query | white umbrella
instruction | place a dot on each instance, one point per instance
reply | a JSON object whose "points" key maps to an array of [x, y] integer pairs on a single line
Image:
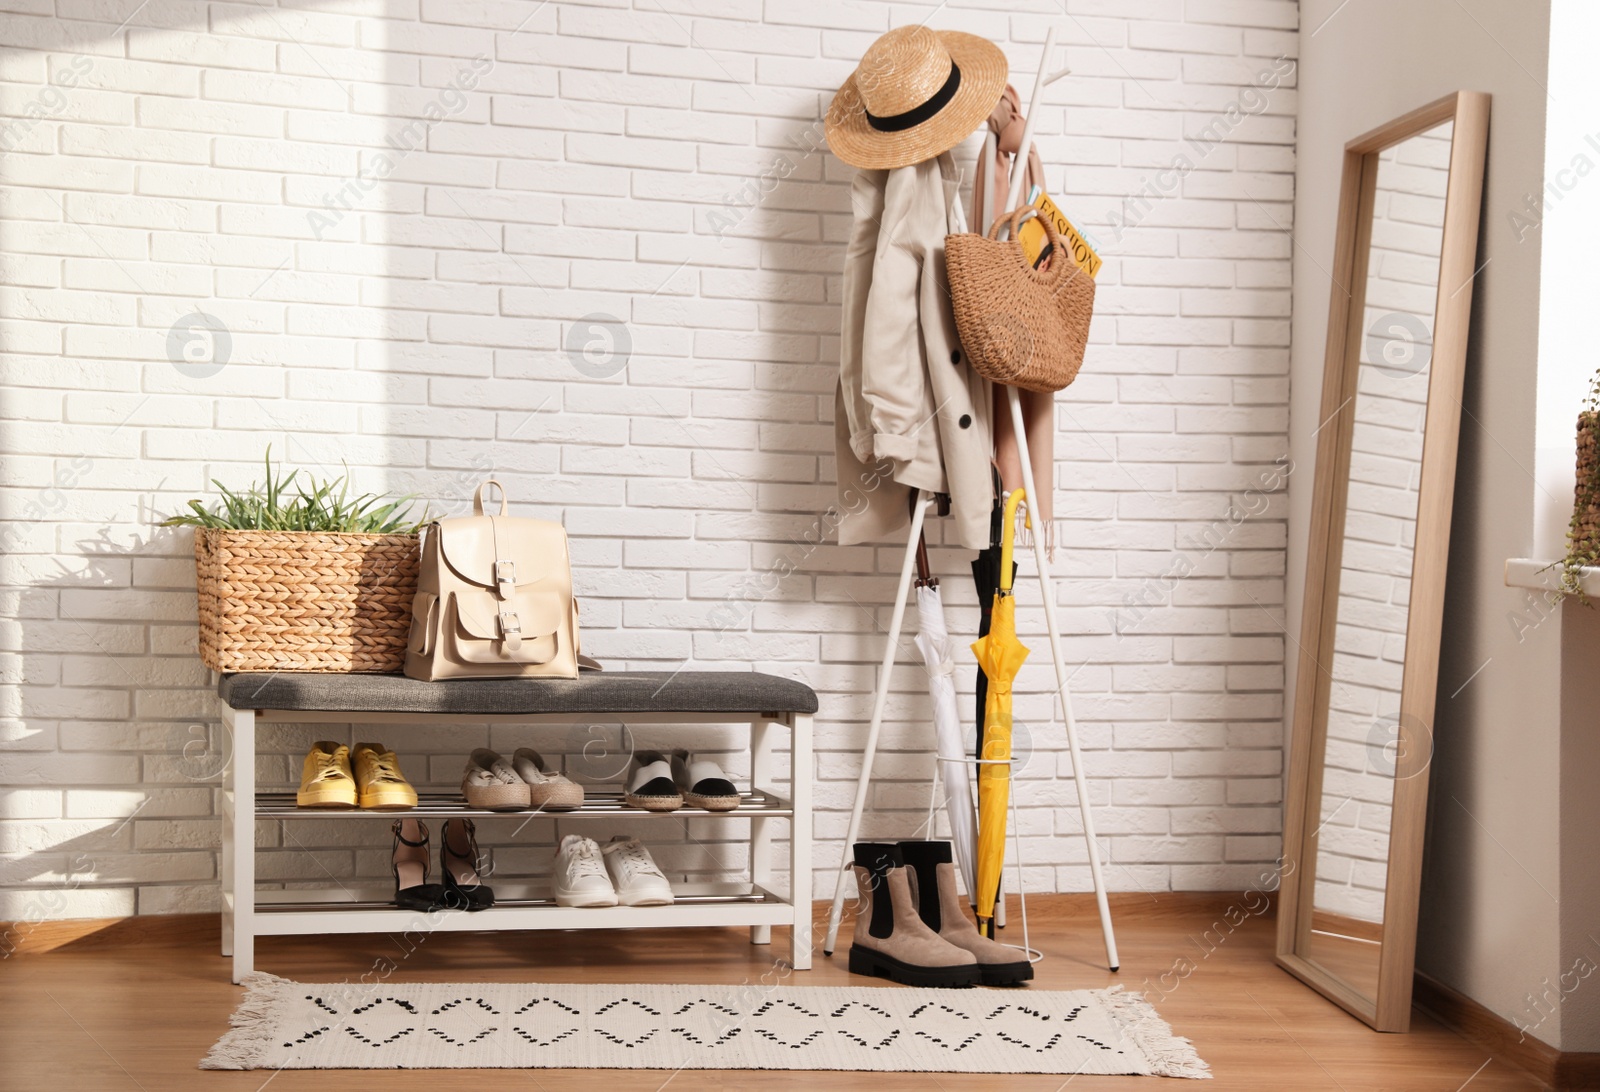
{"points": [[938, 650]]}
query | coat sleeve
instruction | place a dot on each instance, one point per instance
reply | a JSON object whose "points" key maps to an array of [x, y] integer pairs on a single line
{"points": [[866, 203], [894, 381]]}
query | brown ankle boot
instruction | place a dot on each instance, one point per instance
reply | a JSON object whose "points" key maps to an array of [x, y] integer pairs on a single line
{"points": [[891, 940], [933, 884]]}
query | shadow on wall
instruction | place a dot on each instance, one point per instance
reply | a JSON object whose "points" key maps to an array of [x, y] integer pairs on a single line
{"points": [[110, 772], [1447, 861], [349, 265]]}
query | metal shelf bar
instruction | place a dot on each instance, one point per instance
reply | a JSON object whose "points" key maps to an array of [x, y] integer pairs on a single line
{"points": [[449, 805]]}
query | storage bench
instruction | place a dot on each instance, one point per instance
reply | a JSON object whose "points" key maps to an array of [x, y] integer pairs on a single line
{"points": [[637, 698]]}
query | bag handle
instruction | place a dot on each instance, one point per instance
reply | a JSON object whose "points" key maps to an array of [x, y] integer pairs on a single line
{"points": [[1050, 278], [477, 498]]}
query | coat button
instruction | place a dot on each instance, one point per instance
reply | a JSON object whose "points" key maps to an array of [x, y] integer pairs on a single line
{"points": [[966, 420], [955, 356]]}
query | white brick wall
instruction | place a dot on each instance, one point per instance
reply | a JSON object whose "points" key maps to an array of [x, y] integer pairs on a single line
{"points": [[399, 294]]}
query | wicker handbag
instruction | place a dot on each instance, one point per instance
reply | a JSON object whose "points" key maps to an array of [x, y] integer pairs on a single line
{"points": [[1019, 326]]}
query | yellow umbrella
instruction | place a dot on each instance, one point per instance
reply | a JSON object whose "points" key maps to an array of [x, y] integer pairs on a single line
{"points": [[1000, 655]]}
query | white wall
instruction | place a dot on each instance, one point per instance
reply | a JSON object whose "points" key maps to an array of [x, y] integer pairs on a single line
{"points": [[400, 294], [1564, 215], [1567, 365], [1494, 827]]}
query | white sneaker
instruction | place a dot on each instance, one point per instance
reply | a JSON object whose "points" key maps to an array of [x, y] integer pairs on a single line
{"points": [[581, 878], [634, 873]]}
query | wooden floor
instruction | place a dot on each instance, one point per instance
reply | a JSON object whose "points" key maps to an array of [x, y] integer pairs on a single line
{"points": [[135, 1007]]}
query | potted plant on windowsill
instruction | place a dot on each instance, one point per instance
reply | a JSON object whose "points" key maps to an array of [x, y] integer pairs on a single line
{"points": [[297, 575], [1583, 532]]}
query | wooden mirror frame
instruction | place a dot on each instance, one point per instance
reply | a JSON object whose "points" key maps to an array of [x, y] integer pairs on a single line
{"points": [[1390, 1010]]}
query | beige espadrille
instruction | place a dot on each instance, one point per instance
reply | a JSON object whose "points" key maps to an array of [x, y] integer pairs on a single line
{"points": [[490, 783]]}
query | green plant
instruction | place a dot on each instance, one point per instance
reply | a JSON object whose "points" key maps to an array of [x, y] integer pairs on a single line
{"points": [[1583, 540], [326, 507]]}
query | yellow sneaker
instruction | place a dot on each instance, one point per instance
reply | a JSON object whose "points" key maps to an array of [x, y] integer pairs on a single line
{"points": [[325, 779], [382, 786]]}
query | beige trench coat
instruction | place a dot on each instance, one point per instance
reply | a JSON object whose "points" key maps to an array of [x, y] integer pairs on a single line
{"points": [[910, 413]]}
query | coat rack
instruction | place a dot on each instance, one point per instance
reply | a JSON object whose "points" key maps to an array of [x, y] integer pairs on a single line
{"points": [[1046, 587]]}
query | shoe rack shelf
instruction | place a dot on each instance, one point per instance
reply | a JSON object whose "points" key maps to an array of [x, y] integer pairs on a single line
{"points": [[757, 902], [601, 804], [525, 905]]}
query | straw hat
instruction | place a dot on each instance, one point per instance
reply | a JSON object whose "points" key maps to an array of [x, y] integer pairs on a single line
{"points": [[916, 93]]}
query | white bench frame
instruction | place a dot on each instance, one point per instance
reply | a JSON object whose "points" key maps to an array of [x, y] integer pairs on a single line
{"points": [[246, 915]]}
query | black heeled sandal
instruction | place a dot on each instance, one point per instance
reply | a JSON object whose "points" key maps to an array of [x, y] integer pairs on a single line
{"points": [[464, 889], [409, 863]]}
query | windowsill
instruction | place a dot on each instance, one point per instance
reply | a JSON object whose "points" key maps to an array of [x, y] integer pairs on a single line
{"points": [[1525, 572]]}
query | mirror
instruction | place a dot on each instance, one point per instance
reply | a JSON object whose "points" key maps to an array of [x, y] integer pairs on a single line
{"points": [[1376, 551], [1386, 450]]}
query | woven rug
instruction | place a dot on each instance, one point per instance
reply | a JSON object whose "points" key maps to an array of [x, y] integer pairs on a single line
{"points": [[294, 1025]]}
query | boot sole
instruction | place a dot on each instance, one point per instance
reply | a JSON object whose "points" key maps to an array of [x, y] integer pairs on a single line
{"points": [[865, 961], [1005, 974]]}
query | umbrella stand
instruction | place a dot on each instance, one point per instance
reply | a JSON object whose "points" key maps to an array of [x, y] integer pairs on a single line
{"points": [[1034, 955], [961, 762]]}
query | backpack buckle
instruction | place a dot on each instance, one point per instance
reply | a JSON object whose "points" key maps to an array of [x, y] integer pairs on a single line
{"points": [[510, 630]]}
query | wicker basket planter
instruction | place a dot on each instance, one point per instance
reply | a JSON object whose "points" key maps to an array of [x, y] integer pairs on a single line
{"points": [[1585, 532], [304, 600]]}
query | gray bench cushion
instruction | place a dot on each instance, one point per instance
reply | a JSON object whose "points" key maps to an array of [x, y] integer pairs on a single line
{"points": [[593, 692]]}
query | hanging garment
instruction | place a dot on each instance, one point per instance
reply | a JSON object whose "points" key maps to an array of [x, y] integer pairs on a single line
{"points": [[1006, 122], [1039, 423], [909, 412], [990, 187]]}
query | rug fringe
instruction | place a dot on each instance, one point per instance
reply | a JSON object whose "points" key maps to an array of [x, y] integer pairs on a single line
{"points": [[1172, 1055], [248, 1039]]}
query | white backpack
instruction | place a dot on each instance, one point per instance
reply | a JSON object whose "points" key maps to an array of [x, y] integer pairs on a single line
{"points": [[494, 599]]}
